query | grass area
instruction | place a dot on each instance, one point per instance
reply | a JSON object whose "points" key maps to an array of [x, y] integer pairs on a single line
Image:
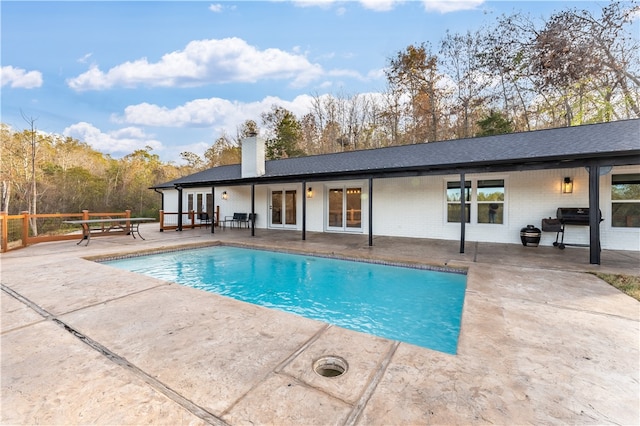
{"points": [[628, 284]]}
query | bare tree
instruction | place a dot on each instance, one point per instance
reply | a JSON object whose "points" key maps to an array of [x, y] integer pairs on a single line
{"points": [[5, 168], [589, 64], [33, 198], [462, 59], [414, 77], [504, 57]]}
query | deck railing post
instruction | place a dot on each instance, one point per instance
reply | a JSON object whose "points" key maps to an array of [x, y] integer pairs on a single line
{"points": [[5, 232], [127, 215], [85, 214], [25, 228], [161, 220]]}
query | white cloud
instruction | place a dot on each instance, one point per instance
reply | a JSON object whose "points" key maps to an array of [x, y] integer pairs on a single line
{"points": [[445, 6], [122, 141], [311, 3], [219, 114], [203, 62], [19, 78], [216, 8], [84, 59], [379, 5]]}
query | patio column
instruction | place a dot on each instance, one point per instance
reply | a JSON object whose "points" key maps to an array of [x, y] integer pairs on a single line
{"points": [[370, 211], [463, 215], [304, 210], [594, 213], [253, 209], [213, 208], [179, 188]]}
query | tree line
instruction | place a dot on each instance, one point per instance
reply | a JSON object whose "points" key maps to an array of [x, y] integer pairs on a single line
{"points": [[519, 74]]}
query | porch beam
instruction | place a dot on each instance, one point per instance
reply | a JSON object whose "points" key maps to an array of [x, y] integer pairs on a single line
{"points": [[370, 211], [304, 210], [179, 188], [213, 207], [594, 213], [463, 216], [253, 210]]}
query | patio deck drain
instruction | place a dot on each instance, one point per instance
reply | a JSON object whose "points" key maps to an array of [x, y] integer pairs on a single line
{"points": [[330, 366]]}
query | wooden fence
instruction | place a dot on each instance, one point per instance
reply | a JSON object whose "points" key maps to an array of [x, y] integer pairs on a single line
{"points": [[16, 231], [190, 219]]}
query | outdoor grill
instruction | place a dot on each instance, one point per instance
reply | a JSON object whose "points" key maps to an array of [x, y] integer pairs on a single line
{"points": [[575, 216]]}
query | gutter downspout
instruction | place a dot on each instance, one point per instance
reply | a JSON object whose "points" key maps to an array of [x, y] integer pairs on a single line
{"points": [[161, 205]]}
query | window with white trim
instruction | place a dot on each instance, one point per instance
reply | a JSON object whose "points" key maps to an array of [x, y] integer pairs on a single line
{"points": [[484, 201], [454, 202], [490, 201], [625, 200]]}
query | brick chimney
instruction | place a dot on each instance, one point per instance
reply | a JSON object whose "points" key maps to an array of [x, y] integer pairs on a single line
{"points": [[253, 156]]}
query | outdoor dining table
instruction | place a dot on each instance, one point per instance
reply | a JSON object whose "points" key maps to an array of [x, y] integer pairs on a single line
{"points": [[130, 225]]}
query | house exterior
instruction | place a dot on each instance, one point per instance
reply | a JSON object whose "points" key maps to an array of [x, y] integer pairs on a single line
{"points": [[510, 181]]}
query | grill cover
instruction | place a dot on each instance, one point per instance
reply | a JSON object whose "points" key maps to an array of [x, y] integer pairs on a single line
{"points": [[575, 215]]}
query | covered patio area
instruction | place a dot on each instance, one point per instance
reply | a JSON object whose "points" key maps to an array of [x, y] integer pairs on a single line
{"points": [[542, 341]]}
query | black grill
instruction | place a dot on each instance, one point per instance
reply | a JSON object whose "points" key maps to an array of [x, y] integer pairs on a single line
{"points": [[576, 216]]}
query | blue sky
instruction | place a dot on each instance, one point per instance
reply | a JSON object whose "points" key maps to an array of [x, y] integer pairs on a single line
{"points": [[175, 75]]}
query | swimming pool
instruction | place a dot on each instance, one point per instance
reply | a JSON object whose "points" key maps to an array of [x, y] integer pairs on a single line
{"points": [[417, 306]]}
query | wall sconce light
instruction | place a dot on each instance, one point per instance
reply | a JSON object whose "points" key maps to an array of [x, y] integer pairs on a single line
{"points": [[224, 195], [567, 186], [309, 192]]}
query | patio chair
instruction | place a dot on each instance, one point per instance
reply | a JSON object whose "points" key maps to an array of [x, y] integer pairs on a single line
{"points": [[247, 219], [236, 219], [240, 219], [203, 217]]}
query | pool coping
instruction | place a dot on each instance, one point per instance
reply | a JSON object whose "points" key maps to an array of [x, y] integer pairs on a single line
{"points": [[422, 266]]}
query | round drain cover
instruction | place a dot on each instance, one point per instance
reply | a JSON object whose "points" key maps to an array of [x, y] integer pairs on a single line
{"points": [[330, 366]]}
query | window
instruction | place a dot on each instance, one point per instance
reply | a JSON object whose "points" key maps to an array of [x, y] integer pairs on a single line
{"points": [[453, 201], [345, 208], [490, 198], [484, 197], [625, 200]]}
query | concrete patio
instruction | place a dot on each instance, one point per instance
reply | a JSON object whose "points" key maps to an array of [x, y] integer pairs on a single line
{"points": [[542, 342]]}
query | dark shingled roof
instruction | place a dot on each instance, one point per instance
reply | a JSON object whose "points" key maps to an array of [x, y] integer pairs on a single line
{"points": [[618, 142]]}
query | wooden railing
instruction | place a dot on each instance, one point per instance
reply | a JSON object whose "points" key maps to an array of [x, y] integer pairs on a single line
{"points": [[16, 229], [169, 220]]}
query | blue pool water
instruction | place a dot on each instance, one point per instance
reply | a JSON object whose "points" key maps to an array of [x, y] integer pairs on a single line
{"points": [[416, 306]]}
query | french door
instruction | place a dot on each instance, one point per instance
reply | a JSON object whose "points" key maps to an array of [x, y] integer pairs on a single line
{"points": [[200, 202], [345, 209], [283, 208]]}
